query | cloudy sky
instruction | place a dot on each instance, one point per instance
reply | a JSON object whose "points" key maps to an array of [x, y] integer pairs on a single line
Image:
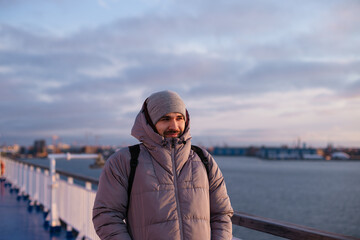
{"points": [[250, 72]]}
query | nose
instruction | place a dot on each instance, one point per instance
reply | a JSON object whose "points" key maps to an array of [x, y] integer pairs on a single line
{"points": [[173, 125]]}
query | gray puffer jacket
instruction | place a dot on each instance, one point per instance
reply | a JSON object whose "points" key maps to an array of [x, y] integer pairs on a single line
{"points": [[172, 196]]}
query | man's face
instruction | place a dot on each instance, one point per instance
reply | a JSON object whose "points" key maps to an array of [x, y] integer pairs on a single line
{"points": [[171, 125]]}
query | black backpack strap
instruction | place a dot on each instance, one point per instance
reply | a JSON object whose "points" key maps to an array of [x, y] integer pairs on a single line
{"points": [[134, 152], [204, 160]]}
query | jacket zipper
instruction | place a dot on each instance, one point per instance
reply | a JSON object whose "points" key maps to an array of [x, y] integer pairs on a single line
{"points": [[176, 188]]}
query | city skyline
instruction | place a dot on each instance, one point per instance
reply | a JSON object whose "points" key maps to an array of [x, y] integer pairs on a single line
{"points": [[250, 72]]}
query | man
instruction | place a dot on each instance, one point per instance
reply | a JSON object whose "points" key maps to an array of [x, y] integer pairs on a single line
{"points": [[172, 197]]}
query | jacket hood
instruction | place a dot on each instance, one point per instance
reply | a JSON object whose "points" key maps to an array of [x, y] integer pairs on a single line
{"points": [[146, 134]]}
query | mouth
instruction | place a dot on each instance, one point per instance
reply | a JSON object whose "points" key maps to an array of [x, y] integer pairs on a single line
{"points": [[172, 134]]}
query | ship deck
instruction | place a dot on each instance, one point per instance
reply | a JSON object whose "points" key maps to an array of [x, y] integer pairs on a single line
{"points": [[17, 222]]}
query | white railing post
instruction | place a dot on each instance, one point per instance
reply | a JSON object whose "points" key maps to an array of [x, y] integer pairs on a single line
{"points": [[16, 170], [37, 189], [9, 172], [27, 180], [22, 183], [54, 216], [31, 187], [45, 195], [69, 228], [88, 209], [85, 228]]}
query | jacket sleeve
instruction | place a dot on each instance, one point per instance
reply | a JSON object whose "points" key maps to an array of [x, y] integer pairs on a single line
{"points": [[220, 206], [110, 204]]}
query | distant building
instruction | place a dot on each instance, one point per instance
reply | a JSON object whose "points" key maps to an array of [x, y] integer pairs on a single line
{"points": [[90, 149], [229, 151], [39, 149], [288, 153]]}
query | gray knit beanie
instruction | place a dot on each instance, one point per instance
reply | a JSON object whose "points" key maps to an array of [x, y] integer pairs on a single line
{"points": [[164, 102]]}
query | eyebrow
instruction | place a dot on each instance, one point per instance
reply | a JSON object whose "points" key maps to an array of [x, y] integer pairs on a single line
{"points": [[176, 116]]}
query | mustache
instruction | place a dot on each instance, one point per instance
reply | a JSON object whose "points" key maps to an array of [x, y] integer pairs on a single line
{"points": [[172, 132]]}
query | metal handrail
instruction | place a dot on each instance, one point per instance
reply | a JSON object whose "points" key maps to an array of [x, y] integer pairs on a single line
{"points": [[284, 229]]}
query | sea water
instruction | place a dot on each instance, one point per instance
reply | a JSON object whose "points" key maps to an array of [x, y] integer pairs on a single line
{"points": [[320, 194]]}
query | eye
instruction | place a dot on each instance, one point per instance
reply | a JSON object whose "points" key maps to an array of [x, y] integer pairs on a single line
{"points": [[164, 119]]}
